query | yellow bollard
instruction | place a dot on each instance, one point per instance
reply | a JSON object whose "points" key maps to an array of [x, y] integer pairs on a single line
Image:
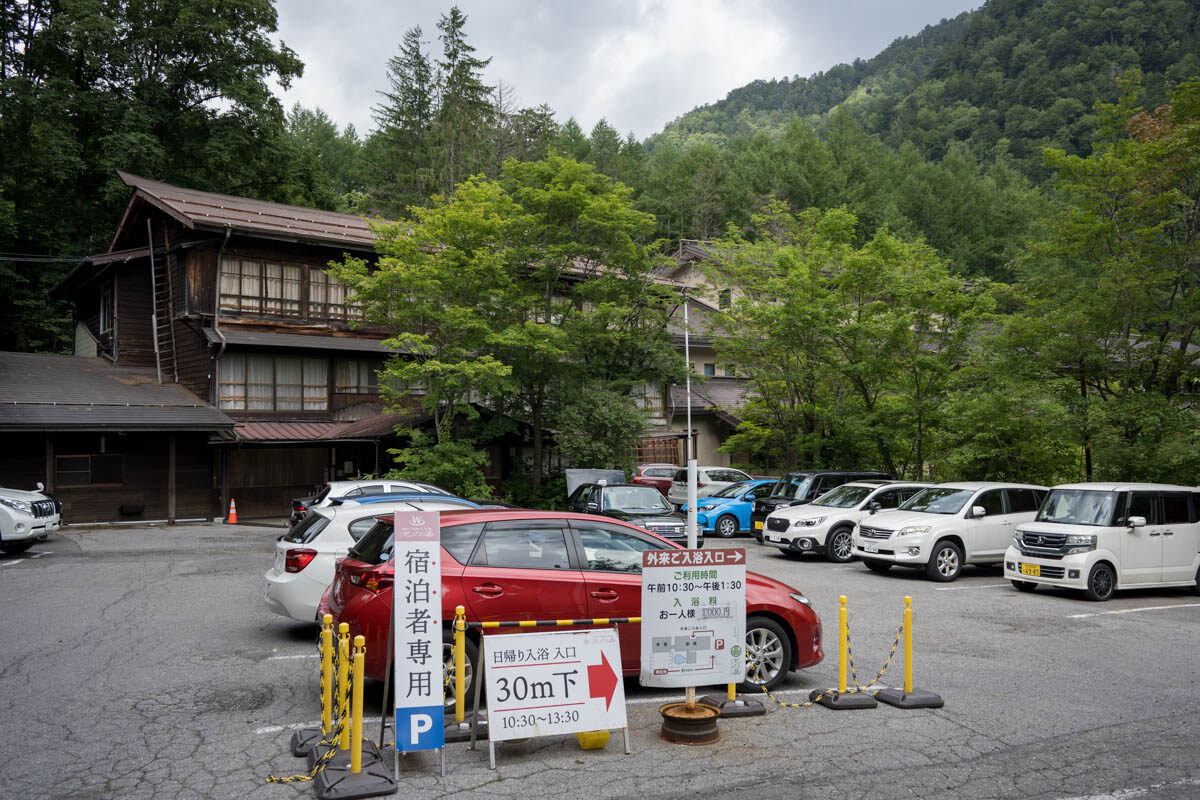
{"points": [[908, 684], [908, 697], [343, 685], [842, 635], [731, 692], [460, 662], [360, 656], [326, 674]]}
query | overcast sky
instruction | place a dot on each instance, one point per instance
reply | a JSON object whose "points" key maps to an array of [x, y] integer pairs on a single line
{"points": [[637, 63]]}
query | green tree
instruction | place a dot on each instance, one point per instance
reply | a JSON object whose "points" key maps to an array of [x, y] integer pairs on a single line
{"points": [[178, 91], [1113, 303], [403, 147], [464, 111]]}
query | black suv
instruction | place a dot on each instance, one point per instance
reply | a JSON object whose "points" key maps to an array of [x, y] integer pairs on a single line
{"points": [[643, 506], [798, 488]]}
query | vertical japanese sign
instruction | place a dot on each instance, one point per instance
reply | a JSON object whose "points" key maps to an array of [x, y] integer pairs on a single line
{"points": [[417, 623], [693, 617]]}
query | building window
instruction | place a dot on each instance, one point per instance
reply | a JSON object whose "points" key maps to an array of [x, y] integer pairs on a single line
{"points": [[274, 383], [357, 376], [89, 470], [710, 369], [106, 309], [260, 286], [328, 298]]}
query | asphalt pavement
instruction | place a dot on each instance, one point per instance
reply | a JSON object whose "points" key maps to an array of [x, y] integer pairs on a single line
{"points": [[143, 663]]}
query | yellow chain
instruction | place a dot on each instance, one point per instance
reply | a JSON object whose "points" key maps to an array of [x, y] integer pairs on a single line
{"points": [[850, 656], [328, 739]]}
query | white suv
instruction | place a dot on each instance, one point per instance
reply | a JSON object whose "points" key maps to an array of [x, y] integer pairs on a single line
{"points": [[26, 517], [708, 481], [826, 525], [946, 526], [1101, 537]]}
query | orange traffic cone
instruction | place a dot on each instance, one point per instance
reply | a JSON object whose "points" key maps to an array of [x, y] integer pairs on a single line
{"points": [[232, 519]]}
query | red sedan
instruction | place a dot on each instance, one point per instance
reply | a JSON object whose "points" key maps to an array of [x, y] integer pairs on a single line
{"points": [[657, 475], [538, 565]]}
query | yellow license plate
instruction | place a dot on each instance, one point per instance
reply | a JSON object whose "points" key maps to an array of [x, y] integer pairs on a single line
{"points": [[757, 525], [1031, 569]]}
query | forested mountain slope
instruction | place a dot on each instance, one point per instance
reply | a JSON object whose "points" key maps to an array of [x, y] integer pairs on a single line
{"points": [[1013, 77]]}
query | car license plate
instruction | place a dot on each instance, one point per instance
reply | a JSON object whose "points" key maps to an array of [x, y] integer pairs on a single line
{"points": [[1033, 570], [871, 548], [758, 525]]}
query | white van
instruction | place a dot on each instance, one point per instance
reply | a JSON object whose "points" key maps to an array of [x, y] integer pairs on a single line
{"points": [[1100, 537], [946, 526]]}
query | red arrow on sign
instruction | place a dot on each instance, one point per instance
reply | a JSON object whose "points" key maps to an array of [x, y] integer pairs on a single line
{"points": [[602, 680]]}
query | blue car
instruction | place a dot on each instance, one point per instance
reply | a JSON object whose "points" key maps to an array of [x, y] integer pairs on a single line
{"points": [[727, 512]]}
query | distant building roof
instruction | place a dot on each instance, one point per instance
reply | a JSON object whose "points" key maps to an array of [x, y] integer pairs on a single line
{"points": [[722, 396], [379, 426], [48, 392], [211, 211]]}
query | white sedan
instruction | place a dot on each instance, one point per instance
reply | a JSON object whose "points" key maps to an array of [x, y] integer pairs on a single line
{"points": [[306, 555]]}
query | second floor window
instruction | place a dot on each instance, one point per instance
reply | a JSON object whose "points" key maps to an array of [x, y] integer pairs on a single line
{"points": [[357, 376], [260, 287], [274, 383], [330, 299]]}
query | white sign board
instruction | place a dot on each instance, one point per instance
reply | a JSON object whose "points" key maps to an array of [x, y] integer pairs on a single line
{"points": [[417, 622], [693, 617], [543, 684]]}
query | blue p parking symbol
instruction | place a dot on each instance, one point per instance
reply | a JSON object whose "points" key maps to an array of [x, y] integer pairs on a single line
{"points": [[420, 728]]}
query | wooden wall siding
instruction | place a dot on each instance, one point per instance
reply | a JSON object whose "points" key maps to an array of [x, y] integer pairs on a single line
{"points": [[24, 461], [192, 355], [263, 481], [134, 309], [201, 268], [144, 474]]}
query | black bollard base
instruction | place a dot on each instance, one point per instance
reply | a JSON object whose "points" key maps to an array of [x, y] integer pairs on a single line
{"points": [[733, 709], [917, 698], [337, 782], [831, 698], [461, 731], [304, 739]]}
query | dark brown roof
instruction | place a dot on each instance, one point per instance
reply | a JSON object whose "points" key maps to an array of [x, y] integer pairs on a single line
{"points": [[727, 395], [379, 426], [196, 209], [45, 392], [302, 341], [288, 431]]}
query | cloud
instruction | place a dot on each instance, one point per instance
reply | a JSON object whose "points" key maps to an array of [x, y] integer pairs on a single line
{"points": [[637, 63]]}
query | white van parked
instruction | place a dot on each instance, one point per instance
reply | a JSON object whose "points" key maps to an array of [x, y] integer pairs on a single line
{"points": [[946, 526], [1101, 537]]}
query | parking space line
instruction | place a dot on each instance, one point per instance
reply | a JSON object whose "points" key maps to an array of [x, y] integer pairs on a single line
{"points": [[288, 658], [1131, 610], [1139, 791], [28, 556], [982, 586]]}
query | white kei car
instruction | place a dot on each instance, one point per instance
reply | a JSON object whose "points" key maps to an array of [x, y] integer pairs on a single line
{"points": [[306, 555], [826, 525]]}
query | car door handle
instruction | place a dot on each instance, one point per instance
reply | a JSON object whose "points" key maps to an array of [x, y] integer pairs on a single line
{"points": [[1157, 533], [604, 594], [488, 590], [1168, 533]]}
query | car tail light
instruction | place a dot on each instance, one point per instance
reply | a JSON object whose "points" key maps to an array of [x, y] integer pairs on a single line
{"points": [[376, 583], [301, 507], [296, 560], [700, 484]]}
